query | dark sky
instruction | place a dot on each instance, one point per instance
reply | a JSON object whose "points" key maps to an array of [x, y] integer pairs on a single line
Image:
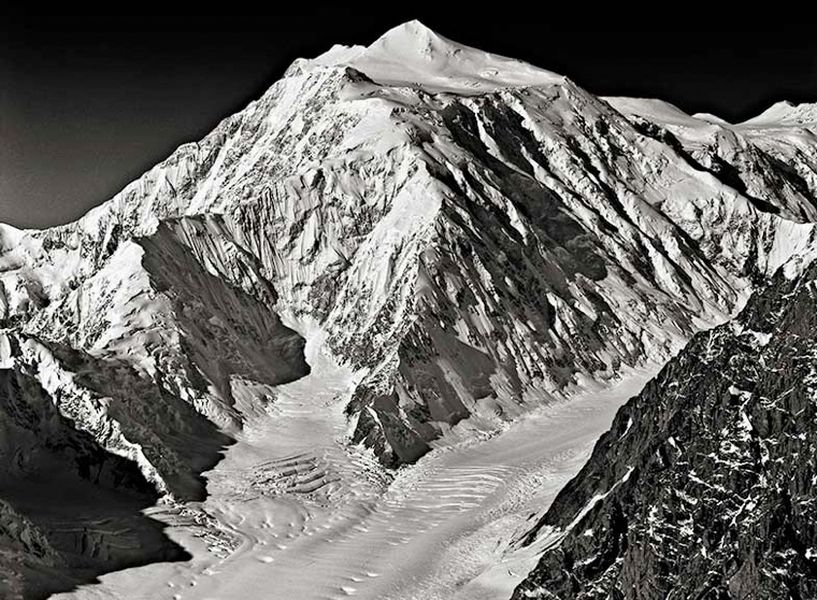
{"points": [[89, 103]]}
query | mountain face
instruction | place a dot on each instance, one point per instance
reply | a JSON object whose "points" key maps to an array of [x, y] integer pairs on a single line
{"points": [[703, 487], [472, 235], [69, 508]]}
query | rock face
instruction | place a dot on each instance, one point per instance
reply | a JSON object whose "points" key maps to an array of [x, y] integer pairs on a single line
{"points": [[473, 234], [69, 508], [703, 487]]}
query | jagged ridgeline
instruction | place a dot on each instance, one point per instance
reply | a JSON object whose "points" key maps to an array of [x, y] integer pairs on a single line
{"points": [[704, 485], [473, 235]]}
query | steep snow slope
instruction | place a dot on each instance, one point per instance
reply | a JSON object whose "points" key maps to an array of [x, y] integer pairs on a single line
{"points": [[470, 234], [703, 487], [775, 152]]}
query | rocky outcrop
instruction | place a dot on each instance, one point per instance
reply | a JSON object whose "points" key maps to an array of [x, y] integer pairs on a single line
{"points": [[70, 510], [703, 487]]}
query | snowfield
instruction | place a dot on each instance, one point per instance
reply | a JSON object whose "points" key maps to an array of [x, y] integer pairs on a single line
{"points": [[295, 512]]}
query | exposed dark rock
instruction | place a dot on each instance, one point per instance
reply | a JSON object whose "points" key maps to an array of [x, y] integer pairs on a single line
{"points": [[704, 485], [69, 510]]}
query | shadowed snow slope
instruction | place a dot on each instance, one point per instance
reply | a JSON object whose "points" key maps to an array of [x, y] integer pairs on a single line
{"points": [[469, 236]]}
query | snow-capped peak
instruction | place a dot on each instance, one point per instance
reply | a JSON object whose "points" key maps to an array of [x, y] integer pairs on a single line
{"points": [[785, 114], [413, 54]]}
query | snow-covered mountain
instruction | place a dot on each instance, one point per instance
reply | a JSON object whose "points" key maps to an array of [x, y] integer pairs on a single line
{"points": [[471, 235]]}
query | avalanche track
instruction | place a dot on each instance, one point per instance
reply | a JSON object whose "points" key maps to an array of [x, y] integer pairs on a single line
{"points": [[294, 512]]}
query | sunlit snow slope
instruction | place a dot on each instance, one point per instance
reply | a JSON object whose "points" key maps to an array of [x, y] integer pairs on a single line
{"points": [[468, 236]]}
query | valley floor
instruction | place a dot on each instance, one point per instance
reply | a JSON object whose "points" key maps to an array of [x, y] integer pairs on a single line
{"points": [[295, 513]]}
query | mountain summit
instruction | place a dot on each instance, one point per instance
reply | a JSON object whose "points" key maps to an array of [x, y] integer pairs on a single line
{"points": [[414, 54], [785, 113], [437, 238]]}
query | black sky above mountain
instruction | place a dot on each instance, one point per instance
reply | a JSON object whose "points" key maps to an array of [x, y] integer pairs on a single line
{"points": [[89, 103]]}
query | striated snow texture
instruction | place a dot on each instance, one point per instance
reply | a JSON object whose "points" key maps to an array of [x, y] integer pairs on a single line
{"points": [[469, 235]]}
